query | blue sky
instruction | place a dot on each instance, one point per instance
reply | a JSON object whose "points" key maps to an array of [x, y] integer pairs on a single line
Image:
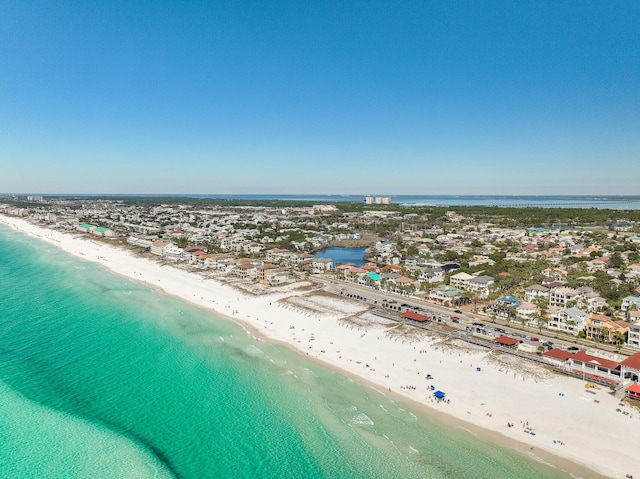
{"points": [[372, 97]]}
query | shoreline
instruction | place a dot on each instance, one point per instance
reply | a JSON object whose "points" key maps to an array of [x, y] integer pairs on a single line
{"points": [[341, 335]]}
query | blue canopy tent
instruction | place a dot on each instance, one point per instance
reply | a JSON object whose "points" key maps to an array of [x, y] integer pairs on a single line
{"points": [[439, 394]]}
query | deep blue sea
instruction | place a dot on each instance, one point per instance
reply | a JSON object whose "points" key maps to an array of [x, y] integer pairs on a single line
{"points": [[103, 377]]}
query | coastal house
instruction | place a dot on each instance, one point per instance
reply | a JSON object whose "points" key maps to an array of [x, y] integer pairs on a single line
{"points": [[460, 280], [431, 275], [321, 265], [265, 271], [172, 251], [532, 292], [527, 313], [633, 337], [279, 277], [404, 284], [568, 320], [630, 303], [251, 247], [622, 226], [603, 329], [143, 243], [301, 258], [480, 284], [218, 261], [246, 271], [444, 294], [562, 295], [594, 302], [158, 247]]}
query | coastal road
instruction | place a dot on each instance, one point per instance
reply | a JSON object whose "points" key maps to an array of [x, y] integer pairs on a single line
{"points": [[468, 321]]}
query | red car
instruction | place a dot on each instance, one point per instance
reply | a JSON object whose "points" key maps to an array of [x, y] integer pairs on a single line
{"points": [[535, 339]]}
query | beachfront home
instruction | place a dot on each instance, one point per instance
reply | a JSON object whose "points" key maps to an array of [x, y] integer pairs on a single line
{"points": [[444, 294], [265, 271], [568, 320], [280, 277], [633, 337], [403, 284], [172, 251], [158, 247], [603, 329], [246, 271], [527, 313], [218, 261], [143, 243]]}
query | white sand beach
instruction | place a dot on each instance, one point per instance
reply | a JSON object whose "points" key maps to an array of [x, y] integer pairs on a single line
{"points": [[549, 413]]}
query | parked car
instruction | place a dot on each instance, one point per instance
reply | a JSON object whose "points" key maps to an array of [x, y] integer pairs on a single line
{"points": [[455, 319], [535, 339]]}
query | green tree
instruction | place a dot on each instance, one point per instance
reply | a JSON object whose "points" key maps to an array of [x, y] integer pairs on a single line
{"points": [[182, 241], [616, 261]]}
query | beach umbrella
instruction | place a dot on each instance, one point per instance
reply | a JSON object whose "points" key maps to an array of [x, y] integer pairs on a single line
{"points": [[439, 394]]}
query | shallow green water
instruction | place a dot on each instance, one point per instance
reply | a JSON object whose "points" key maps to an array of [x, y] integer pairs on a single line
{"points": [[104, 377]]}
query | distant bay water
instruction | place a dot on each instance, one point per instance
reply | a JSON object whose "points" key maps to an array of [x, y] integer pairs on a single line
{"points": [[102, 377], [596, 201]]}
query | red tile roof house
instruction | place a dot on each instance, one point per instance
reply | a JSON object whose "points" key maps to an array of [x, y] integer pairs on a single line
{"points": [[246, 271]]}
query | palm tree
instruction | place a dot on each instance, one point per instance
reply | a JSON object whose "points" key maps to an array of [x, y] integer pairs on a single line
{"points": [[182, 241], [619, 337]]}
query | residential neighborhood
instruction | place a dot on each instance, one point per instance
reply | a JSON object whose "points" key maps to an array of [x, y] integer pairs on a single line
{"points": [[577, 280]]}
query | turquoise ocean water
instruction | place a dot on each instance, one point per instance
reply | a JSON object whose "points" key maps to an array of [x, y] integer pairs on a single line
{"points": [[102, 377]]}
